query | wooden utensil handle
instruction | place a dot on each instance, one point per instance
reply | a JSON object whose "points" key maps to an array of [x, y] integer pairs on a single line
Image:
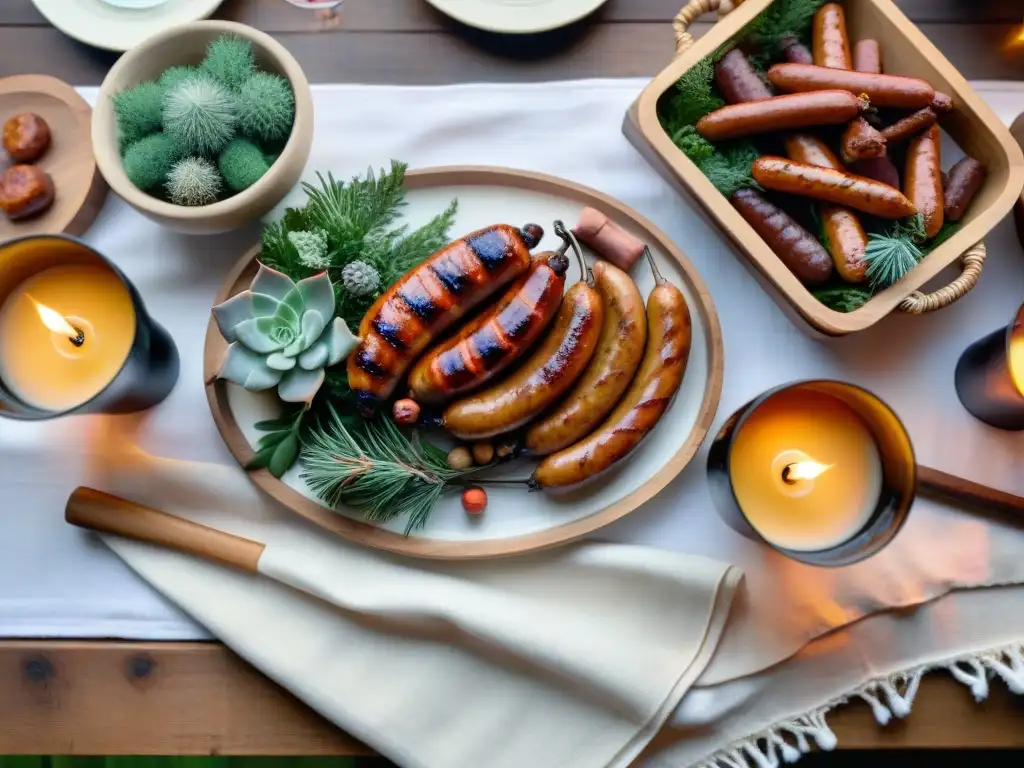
{"points": [[99, 511], [932, 482]]}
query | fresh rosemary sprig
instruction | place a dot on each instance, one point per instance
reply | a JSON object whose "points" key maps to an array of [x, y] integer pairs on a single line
{"points": [[377, 470]]}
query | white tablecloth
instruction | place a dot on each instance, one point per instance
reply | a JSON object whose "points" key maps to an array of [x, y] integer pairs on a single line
{"points": [[56, 581]]}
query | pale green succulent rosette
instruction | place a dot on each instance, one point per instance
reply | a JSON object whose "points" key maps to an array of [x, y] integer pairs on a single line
{"points": [[283, 334]]}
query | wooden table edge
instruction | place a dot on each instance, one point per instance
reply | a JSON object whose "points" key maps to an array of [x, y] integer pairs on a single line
{"points": [[105, 697]]}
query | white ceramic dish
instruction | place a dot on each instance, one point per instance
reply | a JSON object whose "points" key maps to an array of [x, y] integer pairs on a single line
{"points": [[515, 520], [517, 16], [102, 25]]}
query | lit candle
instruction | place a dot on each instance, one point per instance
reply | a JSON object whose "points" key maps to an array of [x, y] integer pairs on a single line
{"points": [[989, 376], [819, 470], [74, 335]]}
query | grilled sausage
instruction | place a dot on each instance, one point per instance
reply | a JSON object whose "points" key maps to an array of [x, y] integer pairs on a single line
{"points": [[495, 339], [619, 351], [922, 182], [860, 141], [810, 150], [778, 113], [737, 79], [867, 56], [428, 300], [911, 125], [831, 43], [796, 52], [879, 169], [544, 377], [964, 180], [797, 248], [857, 192], [655, 385], [942, 102], [881, 90], [847, 240]]}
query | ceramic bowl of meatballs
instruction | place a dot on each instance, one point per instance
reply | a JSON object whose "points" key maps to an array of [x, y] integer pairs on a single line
{"points": [[204, 127], [48, 176], [525, 361], [840, 151]]}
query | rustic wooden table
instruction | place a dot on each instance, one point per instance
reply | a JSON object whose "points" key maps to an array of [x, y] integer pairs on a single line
{"points": [[77, 697]]}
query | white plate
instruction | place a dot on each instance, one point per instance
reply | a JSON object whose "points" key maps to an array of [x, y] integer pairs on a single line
{"points": [[102, 25], [516, 520], [517, 16]]}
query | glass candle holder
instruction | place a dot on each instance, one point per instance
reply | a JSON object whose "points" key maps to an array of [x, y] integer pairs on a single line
{"points": [[990, 376], [821, 471], [75, 336]]}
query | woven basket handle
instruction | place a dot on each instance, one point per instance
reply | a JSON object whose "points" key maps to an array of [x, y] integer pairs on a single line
{"points": [[972, 260]]}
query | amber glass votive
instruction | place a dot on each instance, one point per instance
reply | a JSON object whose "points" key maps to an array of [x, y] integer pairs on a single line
{"points": [[821, 471], [75, 336], [990, 376]]}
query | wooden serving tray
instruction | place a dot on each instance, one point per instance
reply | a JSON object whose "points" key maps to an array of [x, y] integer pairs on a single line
{"points": [[906, 51], [516, 520]]}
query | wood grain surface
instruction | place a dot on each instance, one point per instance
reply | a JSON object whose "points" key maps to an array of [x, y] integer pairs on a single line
{"points": [[75, 697]]}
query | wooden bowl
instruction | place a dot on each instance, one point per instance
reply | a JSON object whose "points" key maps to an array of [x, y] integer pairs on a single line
{"points": [[516, 521], [972, 125], [186, 44], [80, 189]]}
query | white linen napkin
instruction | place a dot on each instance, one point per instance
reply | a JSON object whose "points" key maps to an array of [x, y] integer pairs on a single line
{"points": [[571, 657]]}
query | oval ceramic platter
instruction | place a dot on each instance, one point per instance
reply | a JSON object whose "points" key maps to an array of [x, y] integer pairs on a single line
{"points": [[516, 520], [79, 188]]}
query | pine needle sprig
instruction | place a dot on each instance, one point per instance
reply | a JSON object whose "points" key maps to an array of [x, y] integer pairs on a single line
{"points": [[781, 20], [694, 96], [377, 471], [890, 255]]}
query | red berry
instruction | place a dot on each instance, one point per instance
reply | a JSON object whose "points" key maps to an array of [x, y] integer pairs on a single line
{"points": [[474, 500]]}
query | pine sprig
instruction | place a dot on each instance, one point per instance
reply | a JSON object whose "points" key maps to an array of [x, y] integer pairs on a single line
{"points": [[781, 20], [376, 470], [890, 255]]}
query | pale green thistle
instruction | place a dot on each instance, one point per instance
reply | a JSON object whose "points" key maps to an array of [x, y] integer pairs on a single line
{"points": [[200, 115], [229, 59], [193, 181], [266, 107]]}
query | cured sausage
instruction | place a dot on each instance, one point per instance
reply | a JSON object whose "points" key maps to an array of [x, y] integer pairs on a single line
{"points": [[428, 300], [922, 180], [881, 90], [867, 56], [796, 52], [831, 43], [491, 342], [942, 102], [861, 141], [669, 335], [737, 79], [879, 169], [911, 125], [799, 110], [544, 377], [857, 192], [797, 248], [619, 352], [847, 240], [964, 180], [607, 238]]}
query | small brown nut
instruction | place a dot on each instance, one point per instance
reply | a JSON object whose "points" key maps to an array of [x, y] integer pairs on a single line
{"points": [[460, 458], [25, 191], [405, 412], [26, 137], [505, 450], [483, 453]]}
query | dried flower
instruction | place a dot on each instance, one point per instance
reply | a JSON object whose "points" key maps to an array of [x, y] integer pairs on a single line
{"points": [[312, 248], [360, 278]]}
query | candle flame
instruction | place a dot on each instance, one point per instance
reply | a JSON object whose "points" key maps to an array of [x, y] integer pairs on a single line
{"points": [[805, 470], [54, 320], [1015, 41]]}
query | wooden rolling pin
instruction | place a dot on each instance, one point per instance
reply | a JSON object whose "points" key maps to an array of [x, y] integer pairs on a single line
{"points": [[99, 511]]}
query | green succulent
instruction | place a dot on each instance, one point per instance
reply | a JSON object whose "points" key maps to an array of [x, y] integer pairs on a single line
{"points": [[229, 59], [283, 334], [139, 111], [241, 164], [148, 161], [175, 76], [266, 107], [312, 248], [199, 113], [360, 278], [193, 181]]}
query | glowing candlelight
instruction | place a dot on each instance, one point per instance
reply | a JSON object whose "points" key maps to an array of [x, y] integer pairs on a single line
{"points": [[1015, 41], [803, 470], [57, 323]]}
